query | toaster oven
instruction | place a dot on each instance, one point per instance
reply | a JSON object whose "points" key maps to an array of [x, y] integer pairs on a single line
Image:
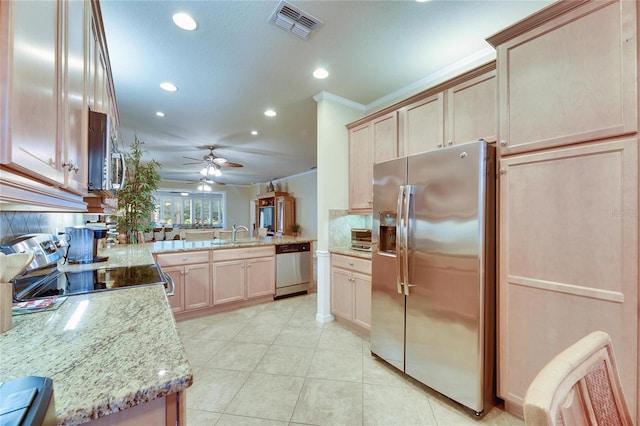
{"points": [[361, 239]]}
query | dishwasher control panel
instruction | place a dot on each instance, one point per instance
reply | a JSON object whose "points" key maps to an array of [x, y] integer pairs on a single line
{"points": [[292, 248]]}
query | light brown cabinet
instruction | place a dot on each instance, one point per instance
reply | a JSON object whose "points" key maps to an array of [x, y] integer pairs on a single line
{"points": [[191, 276], [568, 189], [351, 290], [242, 274], [285, 214], [423, 124], [385, 137], [571, 78], [360, 169]]}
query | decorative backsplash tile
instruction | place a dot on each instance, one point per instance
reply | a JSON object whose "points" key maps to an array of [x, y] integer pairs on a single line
{"points": [[340, 224], [13, 224]]}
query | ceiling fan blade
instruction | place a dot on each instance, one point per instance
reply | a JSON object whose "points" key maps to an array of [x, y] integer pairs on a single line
{"points": [[199, 160], [189, 164], [231, 164]]}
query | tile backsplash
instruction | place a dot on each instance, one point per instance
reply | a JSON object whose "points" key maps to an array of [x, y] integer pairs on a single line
{"points": [[13, 224], [340, 224]]}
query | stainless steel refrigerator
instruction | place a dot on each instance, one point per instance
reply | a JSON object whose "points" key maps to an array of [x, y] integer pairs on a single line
{"points": [[433, 284]]}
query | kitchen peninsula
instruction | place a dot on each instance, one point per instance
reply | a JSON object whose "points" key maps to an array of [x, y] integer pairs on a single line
{"points": [[114, 357]]}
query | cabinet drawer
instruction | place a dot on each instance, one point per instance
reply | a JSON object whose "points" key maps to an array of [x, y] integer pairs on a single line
{"points": [[184, 258], [243, 253], [353, 263]]}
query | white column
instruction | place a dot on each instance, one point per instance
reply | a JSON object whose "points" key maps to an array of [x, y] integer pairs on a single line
{"points": [[324, 286]]}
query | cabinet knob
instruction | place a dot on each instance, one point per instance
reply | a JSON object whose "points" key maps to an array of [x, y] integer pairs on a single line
{"points": [[503, 142], [70, 166], [439, 145], [184, 258], [449, 142], [503, 170], [186, 271]]}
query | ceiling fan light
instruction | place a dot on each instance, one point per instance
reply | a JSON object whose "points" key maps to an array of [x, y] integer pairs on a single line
{"points": [[184, 21], [219, 160]]}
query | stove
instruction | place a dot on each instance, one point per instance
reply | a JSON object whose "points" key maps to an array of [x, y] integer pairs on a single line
{"points": [[49, 281]]}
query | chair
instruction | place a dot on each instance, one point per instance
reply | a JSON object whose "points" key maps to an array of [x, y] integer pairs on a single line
{"points": [[198, 234], [580, 386]]}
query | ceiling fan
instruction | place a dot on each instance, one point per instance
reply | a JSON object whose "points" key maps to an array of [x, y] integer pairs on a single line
{"points": [[213, 161]]}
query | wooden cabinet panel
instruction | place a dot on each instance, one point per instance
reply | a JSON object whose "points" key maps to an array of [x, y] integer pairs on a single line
{"points": [[571, 79], [471, 110], [197, 286], [30, 96], [341, 293], [184, 258], [228, 281], [360, 169], [362, 300], [568, 258], [177, 275], [423, 125], [351, 289], [385, 137], [261, 277], [285, 214]]}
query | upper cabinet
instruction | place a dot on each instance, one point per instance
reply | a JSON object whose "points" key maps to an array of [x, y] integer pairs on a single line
{"points": [[360, 169], [48, 56], [422, 124], [565, 82], [385, 137]]}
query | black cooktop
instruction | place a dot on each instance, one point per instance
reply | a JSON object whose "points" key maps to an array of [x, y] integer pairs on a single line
{"points": [[48, 282]]}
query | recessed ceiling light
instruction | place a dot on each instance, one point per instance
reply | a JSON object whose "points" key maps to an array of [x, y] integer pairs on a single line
{"points": [[184, 21], [169, 87], [270, 113], [321, 73], [254, 132], [184, 194], [160, 114], [422, 1]]}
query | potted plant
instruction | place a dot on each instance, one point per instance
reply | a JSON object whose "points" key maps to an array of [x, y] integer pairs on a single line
{"points": [[295, 229], [136, 203]]}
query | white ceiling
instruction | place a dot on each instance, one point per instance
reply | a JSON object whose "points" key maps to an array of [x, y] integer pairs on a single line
{"points": [[236, 64]]}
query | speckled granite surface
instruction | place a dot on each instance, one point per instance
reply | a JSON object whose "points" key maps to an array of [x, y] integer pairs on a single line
{"points": [[351, 252], [123, 350]]}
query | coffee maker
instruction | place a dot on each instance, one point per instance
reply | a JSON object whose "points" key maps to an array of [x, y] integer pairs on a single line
{"points": [[83, 244]]}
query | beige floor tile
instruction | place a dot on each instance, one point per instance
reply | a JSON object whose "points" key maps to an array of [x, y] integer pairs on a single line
{"points": [[274, 316], [377, 372], [258, 333], [244, 315], [238, 356], [267, 396], [328, 402], [336, 336], [200, 351], [305, 318], [336, 365], [390, 405], [189, 328], [303, 337], [286, 360], [229, 420], [224, 330], [202, 418], [213, 389]]}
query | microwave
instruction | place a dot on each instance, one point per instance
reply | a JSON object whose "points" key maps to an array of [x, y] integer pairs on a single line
{"points": [[106, 170], [361, 239]]}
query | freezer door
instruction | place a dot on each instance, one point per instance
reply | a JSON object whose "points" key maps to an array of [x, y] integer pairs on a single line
{"points": [[387, 304], [445, 305]]}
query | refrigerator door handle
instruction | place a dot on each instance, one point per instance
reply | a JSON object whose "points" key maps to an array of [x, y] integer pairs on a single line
{"points": [[399, 245], [408, 190]]}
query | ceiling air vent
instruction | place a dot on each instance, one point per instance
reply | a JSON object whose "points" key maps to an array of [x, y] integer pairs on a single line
{"points": [[294, 20]]}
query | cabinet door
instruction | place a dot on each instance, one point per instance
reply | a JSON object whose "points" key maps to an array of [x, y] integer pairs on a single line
{"points": [[261, 277], [228, 281], [197, 285], [563, 82], [423, 125], [385, 137], [360, 169], [29, 79], [362, 300], [177, 275], [568, 258], [341, 293], [471, 110], [285, 214], [74, 101]]}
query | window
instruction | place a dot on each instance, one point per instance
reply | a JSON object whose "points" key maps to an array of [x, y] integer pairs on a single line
{"points": [[193, 209]]}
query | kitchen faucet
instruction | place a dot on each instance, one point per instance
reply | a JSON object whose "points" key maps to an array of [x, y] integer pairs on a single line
{"points": [[236, 228]]}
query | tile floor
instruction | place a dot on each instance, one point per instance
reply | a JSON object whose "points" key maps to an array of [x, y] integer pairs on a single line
{"points": [[273, 364]]}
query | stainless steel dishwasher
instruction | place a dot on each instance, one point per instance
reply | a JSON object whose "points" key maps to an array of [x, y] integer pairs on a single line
{"points": [[293, 269]]}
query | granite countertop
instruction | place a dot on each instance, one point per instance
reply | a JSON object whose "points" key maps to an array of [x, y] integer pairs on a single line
{"points": [[348, 251], [105, 352]]}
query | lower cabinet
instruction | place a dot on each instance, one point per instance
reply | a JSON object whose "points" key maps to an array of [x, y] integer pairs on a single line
{"points": [[242, 274], [351, 289], [191, 272]]}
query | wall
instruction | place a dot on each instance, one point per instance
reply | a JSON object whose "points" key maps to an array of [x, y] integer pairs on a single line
{"points": [[304, 188], [13, 224]]}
